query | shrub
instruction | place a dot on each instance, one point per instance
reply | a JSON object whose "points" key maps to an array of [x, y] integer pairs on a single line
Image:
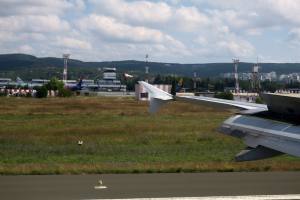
{"points": [[3, 94], [41, 92], [224, 95], [259, 100], [64, 92]]}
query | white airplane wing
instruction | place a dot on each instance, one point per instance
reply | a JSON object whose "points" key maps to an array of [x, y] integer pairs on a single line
{"points": [[158, 95], [223, 103], [264, 135]]}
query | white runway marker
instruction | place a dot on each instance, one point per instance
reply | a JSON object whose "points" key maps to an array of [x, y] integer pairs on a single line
{"points": [[100, 185], [250, 197]]}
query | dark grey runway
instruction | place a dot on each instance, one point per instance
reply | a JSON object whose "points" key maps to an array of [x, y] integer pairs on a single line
{"points": [[148, 185]]}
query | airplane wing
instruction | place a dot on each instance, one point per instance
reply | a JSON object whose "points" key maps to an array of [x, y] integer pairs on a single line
{"points": [[157, 95], [249, 108], [264, 136]]}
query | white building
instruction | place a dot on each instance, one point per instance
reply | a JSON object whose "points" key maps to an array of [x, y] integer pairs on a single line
{"points": [[142, 95], [4, 81]]}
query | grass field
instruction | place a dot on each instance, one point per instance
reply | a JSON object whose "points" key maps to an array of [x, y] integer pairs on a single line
{"points": [[39, 136]]}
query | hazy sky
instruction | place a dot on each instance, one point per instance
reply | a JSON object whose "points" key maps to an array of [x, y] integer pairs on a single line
{"points": [[185, 31]]}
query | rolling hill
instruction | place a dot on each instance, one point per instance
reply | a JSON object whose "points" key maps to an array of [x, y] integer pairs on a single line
{"points": [[28, 67]]}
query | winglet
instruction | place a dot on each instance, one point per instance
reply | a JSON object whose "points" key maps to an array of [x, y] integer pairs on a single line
{"points": [[157, 96]]}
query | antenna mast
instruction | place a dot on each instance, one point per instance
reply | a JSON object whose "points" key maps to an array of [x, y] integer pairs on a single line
{"points": [[195, 81], [236, 75], [146, 68], [255, 82], [65, 72]]}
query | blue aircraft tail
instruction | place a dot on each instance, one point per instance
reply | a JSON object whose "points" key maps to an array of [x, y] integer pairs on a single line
{"points": [[79, 84]]}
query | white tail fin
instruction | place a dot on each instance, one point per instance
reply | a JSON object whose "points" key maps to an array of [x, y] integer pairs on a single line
{"points": [[157, 96]]}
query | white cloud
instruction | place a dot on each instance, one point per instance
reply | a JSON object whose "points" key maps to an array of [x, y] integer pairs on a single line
{"points": [[233, 18], [38, 37], [109, 30], [237, 48], [200, 40], [227, 45], [288, 9], [125, 17], [74, 43], [258, 13], [25, 49], [254, 32], [79, 5], [7, 37], [30, 23], [120, 32], [169, 30], [190, 19], [135, 11], [34, 7]]}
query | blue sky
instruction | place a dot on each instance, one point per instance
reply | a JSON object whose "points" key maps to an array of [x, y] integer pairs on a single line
{"points": [[184, 31]]}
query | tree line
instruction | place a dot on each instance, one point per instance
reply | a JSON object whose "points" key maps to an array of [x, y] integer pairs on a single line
{"points": [[213, 84]]}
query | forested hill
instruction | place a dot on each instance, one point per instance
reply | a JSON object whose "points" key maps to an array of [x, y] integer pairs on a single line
{"points": [[28, 67]]}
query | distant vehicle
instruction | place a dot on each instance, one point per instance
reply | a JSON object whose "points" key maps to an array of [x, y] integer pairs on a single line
{"points": [[268, 130]]}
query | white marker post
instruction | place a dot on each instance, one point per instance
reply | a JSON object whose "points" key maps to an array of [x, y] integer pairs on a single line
{"points": [[100, 185]]}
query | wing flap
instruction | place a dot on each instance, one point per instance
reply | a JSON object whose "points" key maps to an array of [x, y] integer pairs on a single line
{"points": [[257, 153], [279, 136]]}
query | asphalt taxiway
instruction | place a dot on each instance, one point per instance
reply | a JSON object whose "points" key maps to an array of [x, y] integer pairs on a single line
{"points": [[120, 186]]}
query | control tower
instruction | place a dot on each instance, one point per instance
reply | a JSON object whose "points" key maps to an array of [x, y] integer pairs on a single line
{"points": [[109, 74], [236, 75], [255, 79], [110, 81]]}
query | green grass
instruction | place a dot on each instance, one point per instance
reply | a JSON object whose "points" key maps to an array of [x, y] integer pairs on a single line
{"points": [[39, 136]]}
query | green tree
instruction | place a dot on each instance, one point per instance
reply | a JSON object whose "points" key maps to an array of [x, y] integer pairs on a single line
{"points": [[64, 92], [259, 100], [219, 85], [269, 86], [41, 92], [130, 83], [55, 84], [158, 79]]}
